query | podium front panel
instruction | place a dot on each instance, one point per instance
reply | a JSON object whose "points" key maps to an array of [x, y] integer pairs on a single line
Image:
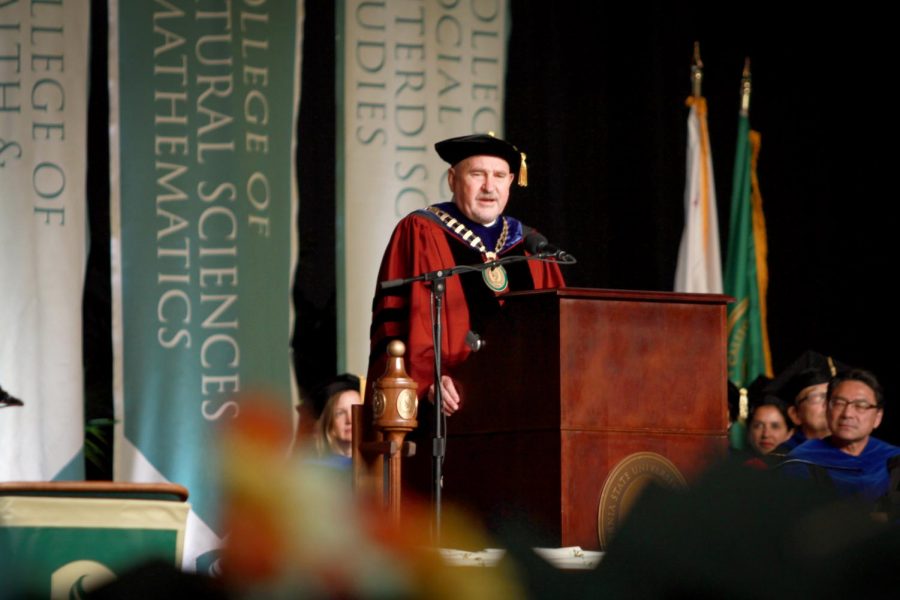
{"points": [[575, 384], [642, 365]]}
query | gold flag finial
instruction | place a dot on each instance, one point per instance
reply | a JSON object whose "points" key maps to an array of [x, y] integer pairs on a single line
{"points": [[831, 367], [696, 71], [743, 406], [745, 88]]}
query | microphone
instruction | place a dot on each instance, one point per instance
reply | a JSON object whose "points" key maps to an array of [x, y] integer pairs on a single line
{"points": [[474, 341], [536, 243]]}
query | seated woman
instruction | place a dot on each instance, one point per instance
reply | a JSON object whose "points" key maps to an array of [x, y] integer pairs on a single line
{"points": [[768, 426], [334, 429]]}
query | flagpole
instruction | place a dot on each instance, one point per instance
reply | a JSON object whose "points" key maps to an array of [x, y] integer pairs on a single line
{"points": [[745, 88], [696, 71], [699, 266]]}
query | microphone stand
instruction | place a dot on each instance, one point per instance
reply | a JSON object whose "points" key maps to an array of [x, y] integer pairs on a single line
{"points": [[437, 284]]}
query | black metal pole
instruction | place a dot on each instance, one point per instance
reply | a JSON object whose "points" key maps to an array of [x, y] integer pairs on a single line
{"points": [[438, 444]]}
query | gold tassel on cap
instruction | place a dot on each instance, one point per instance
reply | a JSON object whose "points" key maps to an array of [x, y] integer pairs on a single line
{"points": [[523, 168], [523, 172]]}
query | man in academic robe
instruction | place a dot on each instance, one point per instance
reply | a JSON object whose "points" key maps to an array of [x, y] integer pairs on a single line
{"points": [[803, 386], [850, 460], [470, 229]]}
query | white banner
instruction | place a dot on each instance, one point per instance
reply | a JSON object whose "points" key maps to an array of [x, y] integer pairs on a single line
{"points": [[43, 115], [413, 73]]}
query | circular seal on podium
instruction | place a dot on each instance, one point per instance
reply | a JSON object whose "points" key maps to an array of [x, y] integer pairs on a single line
{"points": [[624, 485]]}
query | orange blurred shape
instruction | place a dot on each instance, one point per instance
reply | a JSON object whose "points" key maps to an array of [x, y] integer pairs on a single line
{"points": [[255, 548], [261, 419]]}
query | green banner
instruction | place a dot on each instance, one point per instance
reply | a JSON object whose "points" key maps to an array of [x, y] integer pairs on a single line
{"points": [[203, 120], [61, 546], [48, 551]]}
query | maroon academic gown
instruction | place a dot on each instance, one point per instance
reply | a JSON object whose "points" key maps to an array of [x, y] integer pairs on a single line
{"points": [[421, 243]]}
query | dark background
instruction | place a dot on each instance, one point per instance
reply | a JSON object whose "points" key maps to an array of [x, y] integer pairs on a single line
{"points": [[595, 97]]}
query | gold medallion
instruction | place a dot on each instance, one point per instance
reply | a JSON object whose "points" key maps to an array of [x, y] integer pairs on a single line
{"points": [[378, 404], [496, 278], [407, 403]]}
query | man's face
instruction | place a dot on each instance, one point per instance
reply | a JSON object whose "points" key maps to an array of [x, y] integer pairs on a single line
{"points": [[809, 409], [480, 186], [848, 422]]}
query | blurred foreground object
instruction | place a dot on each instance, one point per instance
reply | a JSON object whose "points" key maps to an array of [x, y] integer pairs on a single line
{"points": [[296, 527], [741, 533]]}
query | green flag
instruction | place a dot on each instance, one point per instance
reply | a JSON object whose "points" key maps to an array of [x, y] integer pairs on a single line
{"points": [[746, 273]]}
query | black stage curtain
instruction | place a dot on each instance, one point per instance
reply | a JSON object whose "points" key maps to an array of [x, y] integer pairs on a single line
{"points": [[596, 97]]}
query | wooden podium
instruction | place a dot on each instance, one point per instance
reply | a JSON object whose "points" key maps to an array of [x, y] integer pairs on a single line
{"points": [[581, 397]]}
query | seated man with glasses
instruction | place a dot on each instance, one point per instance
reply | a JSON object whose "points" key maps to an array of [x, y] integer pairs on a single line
{"points": [[803, 386], [850, 460]]}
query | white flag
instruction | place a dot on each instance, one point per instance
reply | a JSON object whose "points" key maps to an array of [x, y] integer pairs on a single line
{"points": [[699, 264]]}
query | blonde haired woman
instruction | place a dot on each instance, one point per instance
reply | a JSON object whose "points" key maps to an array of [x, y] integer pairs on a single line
{"points": [[334, 429]]}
